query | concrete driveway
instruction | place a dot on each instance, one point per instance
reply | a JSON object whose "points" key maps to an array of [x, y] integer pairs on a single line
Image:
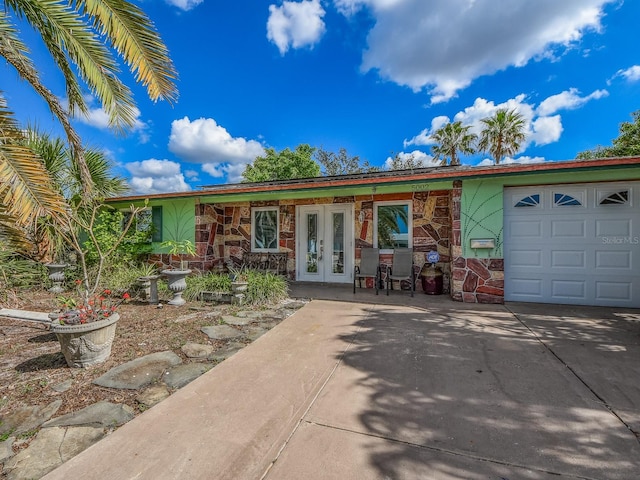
{"points": [[369, 391]]}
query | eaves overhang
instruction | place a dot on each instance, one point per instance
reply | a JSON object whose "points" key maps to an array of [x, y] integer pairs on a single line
{"points": [[396, 177]]}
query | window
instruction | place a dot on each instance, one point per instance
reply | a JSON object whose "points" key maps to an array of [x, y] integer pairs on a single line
{"points": [[564, 200], [530, 201], [617, 198], [264, 229], [392, 225], [148, 220]]}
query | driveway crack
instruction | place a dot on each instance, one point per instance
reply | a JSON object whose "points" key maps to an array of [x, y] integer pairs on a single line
{"points": [[576, 375]]}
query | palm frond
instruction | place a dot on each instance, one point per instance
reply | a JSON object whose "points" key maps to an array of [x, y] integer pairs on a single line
{"points": [[27, 191], [133, 35]]}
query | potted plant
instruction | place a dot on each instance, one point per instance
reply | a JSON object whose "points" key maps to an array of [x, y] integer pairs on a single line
{"points": [[86, 330], [149, 282], [177, 277], [239, 279]]}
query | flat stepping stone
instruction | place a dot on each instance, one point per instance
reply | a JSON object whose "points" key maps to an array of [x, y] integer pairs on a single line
{"points": [[62, 387], [6, 449], [221, 332], [256, 332], [101, 414], [50, 449], [140, 372], [237, 321], [248, 314], [270, 323], [153, 395], [223, 353], [27, 418], [197, 350], [180, 375], [295, 305]]}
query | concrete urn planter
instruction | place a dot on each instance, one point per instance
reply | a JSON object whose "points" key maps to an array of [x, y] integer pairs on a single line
{"points": [[86, 344], [177, 284], [56, 275]]}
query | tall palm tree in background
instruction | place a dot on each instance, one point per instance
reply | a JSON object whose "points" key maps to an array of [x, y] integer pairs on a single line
{"points": [[88, 40], [502, 134], [451, 139]]}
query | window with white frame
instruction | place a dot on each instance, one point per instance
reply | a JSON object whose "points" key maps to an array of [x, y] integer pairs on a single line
{"points": [[265, 229], [392, 225]]}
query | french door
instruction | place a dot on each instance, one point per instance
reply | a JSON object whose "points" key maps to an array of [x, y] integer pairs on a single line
{"points": [[325, 243]]}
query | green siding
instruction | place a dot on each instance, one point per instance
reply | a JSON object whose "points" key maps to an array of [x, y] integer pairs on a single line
{"points": [[481, 206]]}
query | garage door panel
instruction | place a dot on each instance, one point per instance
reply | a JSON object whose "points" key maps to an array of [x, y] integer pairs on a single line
{"points": [[557, 251], [568, 229], [568, 259], [613, 227], [526, 229], [526, 288], [609, 259], [526, 258], [568, 289], [610, 290]]}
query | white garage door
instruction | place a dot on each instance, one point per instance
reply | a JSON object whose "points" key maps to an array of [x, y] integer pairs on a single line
{"points": [[574, 244]]}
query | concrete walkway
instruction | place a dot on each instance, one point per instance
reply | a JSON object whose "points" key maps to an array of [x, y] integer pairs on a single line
{"points": [[367, 391]]}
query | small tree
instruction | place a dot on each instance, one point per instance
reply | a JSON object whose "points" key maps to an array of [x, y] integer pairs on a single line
{"points": [[341, 163], [405, 162], [626, 144], [283, 165]]}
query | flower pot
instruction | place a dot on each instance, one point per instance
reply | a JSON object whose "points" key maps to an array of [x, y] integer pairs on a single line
{"points": [[87, 343], [56, 275], [177, 284]]}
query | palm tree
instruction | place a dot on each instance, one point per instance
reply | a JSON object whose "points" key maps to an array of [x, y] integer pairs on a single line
{"points": [[502, 134], [86, 40], [67, 182], [451, 139]]}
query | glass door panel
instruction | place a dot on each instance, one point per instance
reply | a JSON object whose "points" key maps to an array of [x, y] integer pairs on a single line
{"points": [[337, 257], [311, 264]]}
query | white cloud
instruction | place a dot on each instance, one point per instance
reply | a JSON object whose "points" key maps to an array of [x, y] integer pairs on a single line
{"points": [[156, 176], [424, 137], [295, 24], [97, 117], [567, 100], [185, 5], [508, 161], [545, 130], [443, 45], [631, 74], [541, 127], [205, 142]]}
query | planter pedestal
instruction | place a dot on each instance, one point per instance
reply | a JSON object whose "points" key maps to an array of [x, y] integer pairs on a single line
{"points": [[177, 284], [238, 289], [150, 286], [56, 275], [88, 343]]}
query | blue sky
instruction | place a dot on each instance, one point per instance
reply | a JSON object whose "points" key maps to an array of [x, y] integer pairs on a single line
{"points": [[373, 76]]}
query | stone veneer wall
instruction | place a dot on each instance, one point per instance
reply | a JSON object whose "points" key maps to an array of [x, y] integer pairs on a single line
{"points": [[223, 232], [474, 280]]}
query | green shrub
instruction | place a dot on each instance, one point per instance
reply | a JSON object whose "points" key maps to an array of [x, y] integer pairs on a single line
{"points": [[265, 288], [206, 282]]}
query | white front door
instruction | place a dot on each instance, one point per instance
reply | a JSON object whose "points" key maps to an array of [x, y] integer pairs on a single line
{"points": [[325, 243]]}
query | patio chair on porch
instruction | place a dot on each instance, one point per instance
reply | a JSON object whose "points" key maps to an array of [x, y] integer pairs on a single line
{"points": [[369, 267], [401, 269]]}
